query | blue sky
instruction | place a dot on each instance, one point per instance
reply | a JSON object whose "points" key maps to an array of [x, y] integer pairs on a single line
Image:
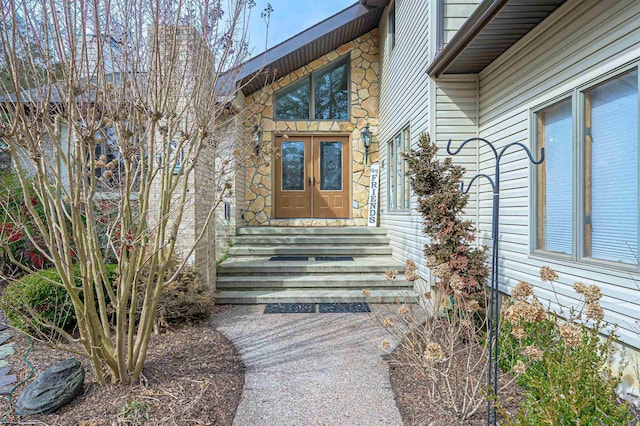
{"points": [[289, 17]]}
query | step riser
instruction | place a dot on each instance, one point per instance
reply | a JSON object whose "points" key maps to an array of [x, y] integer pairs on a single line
{"points": [[310, 251], [248, 277], [301, 270], [265, 230], [319, 286], [311, 240], [256, 301], [325, 297]]}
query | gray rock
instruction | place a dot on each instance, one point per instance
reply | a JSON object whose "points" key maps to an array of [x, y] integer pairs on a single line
{"points": [[52, 389]]}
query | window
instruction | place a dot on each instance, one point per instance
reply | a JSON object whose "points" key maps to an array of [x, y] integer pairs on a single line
{"points": [[587, 188], [398, 187], [391, 26], [329, 99], [107, 154]]}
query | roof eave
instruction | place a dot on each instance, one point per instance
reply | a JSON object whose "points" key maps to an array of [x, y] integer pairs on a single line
{"points": [[258, 62], [479, 19]]}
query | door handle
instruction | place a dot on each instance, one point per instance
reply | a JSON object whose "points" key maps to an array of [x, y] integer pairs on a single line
{"points": [[314, 181], [309, 180]]}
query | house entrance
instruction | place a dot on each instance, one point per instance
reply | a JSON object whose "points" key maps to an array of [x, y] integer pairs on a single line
{"points": [[311, 177]]}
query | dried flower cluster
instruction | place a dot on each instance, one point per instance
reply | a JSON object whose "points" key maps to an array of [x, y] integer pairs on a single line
{"points": [[579, 287], [366, 293], [457, 284], [592, 294], [547, 274], [571, 334], [519, 333], [531, 312], [410, 273], [473, 305], [533, 352], [519, 368], [595, 311], [522, 290], [390, 274], [433, 353], [388, 322]]}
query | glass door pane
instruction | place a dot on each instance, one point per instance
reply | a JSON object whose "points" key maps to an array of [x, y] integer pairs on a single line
{"points": [[293, 166], [330, 166]]}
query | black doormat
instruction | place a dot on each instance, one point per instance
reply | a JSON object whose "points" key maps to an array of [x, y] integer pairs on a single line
{"points": [[285, 258], [290, 308], [341, 308], [333, 258]]}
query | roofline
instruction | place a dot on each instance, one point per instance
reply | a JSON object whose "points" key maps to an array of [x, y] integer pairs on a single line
{"points": [[479, 19], [293, 43]]}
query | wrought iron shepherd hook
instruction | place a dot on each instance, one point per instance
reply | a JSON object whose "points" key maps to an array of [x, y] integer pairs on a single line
{"points": [[492, 370]]}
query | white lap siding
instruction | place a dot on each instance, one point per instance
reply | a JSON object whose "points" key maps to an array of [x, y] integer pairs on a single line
{"points": [[404, 101], [581, 41]]}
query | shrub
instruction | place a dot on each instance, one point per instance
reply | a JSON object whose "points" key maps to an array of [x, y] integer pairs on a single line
{"points": [[16, 226], [459, 266], [186, 299], [36, 305], [564, 365]]}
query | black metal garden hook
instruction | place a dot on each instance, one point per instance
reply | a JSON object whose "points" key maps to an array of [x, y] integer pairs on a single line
{"points": [[492, 370]]}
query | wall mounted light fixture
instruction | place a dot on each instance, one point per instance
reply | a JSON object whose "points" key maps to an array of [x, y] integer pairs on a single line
{"points": [[366, 141], [257, 139]]}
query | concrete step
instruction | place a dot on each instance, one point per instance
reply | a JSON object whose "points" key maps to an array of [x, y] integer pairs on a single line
{"points": [[325, 281], [343, 230], [309, 250], [311, 239], [262, 266], [312, 296]]}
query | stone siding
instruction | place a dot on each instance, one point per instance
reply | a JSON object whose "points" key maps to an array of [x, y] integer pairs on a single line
{"points": [[364, 72]]}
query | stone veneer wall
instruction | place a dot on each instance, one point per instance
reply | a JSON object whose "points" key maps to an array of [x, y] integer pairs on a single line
{"points": [[365, 65]]}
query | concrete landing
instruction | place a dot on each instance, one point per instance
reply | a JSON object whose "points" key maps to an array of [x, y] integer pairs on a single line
{"points": [[310, 369]]}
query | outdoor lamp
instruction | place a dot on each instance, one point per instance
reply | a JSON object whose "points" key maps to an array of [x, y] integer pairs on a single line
{"points": [[366, 140], [257, 139]]}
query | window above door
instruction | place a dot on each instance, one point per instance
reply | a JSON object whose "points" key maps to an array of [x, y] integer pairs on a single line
{"points": [[320, 95]]}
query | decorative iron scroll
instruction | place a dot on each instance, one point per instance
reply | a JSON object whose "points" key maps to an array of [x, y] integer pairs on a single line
{"points": [[494, 308]]}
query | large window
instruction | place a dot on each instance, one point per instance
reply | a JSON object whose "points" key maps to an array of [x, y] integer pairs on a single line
{"points": [[587, 188], [398, 188], [329, 99]]}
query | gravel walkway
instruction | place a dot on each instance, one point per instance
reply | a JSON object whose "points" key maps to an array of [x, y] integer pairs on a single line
{"points": [[310, 369]]}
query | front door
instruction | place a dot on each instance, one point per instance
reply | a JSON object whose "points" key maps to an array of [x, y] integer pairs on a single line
{"points": [[311, 177]]}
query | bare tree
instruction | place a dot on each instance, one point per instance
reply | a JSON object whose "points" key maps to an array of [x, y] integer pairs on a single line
{"points": [[127, 132]]}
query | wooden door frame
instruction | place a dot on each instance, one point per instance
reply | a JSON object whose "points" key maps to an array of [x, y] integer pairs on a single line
{"points": [[312, 135]]}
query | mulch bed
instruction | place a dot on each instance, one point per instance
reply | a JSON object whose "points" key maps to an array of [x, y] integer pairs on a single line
{"points": [[193, 376], [417, 409]]}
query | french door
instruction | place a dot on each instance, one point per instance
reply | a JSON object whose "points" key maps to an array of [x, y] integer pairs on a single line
{"points": [[312, 177]]}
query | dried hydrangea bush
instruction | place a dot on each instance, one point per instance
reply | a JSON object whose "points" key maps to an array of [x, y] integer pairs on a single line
{"points": [[563, 360], [444, 337]]}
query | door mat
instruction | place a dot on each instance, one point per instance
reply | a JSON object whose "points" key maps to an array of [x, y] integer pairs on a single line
{"points": [[342, 308], [290, 308], [333, 258], [286, 258]]}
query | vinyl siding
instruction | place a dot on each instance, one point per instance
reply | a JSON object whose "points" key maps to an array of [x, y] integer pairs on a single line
{"points": [[404, 100], [457, 120], [581, 41], [456, 13]]}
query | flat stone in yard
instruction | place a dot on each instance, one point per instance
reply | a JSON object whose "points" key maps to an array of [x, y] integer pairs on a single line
{"points": [[52, 389]]}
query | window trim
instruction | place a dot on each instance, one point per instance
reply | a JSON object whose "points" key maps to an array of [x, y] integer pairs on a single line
{"points": [[391, 141], [392, 26], [577, 98], [309, 77]]}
